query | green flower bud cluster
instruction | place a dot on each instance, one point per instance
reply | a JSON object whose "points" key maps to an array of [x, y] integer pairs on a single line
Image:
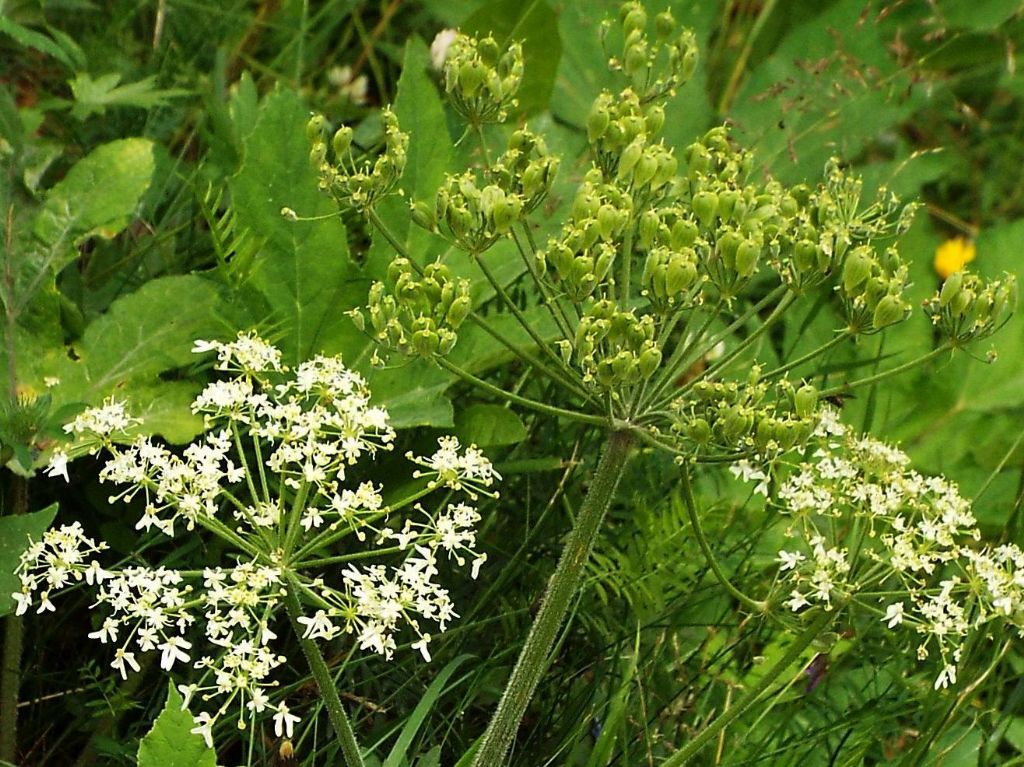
{"points": [[661, 66], [968, 308], [416, 313], [738, 223], [526, 169], [359, 183], [716, 417], [621, 130], [473, 217], [829, 222], [481, 79], [871, 289], [583, 254], [614, 348], [671, 279]]}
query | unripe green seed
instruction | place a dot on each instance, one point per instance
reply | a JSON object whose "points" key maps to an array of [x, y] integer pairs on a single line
{"points": [[705, 206], [315, 129], [341, 142], [805, 401], [889, 311], [950, 288]]}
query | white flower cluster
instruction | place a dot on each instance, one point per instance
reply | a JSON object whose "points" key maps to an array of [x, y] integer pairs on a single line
{"points": [[468, 470], [267, 477], [866, 527]]}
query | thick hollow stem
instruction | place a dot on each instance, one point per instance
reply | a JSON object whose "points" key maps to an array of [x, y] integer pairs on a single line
{"points": [[535, 655], [339, 721], [801, 643], [10, 671]]}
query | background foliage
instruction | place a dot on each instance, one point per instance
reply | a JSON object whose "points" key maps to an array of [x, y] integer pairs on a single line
{"points": [[147, 151]]}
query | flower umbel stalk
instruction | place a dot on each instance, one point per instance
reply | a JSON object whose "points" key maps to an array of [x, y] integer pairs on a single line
{"points": [[535, 655], [324, 682]]}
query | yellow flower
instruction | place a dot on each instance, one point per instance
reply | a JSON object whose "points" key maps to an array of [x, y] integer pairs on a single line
{"points": [[953, 255]]}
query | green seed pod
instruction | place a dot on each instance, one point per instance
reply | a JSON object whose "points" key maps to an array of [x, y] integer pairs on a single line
{"points": [[458, 311], [681, 272], [746, 258], [950, 288], [647, 229], [358, 320], [636, 58], [636, 19], [665, 25], [649, 361], [705, 206], [315, 129], [422, 215], [805, 256], [654, 119], [630, 156], [805, 401], [471, 78], [684, 234], [341, 142], [318, 155], [889, 311], [765, 433], [857, 269], [585, 205], [426, 343], [735, 424], [727, 200], [699, 431], [644, 171], [698, 159], [609, 222]]}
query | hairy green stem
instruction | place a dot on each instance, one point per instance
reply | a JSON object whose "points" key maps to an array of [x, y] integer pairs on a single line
{"points": [[738, 709], [562, 586], [318, 666], [10, 670]]}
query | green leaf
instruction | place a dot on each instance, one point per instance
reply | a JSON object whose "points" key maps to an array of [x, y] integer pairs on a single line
{"points": [[98, 197], [94, 96], [399, 754], [489, 425], [171, 743], [535, 25], [32, 39], [304, 272], [142, 337], [14, 541]]}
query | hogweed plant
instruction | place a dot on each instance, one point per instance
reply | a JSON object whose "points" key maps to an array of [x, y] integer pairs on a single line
{"points": [[661, 261], [269, 478]]}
